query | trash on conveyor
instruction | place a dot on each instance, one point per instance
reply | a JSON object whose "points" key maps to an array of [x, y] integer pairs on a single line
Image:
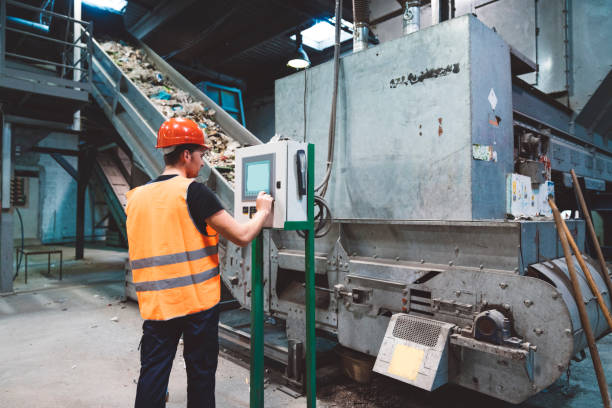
{"points": [[174, 102]]}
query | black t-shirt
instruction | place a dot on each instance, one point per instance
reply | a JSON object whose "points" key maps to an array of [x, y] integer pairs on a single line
{"points": [[201, 202]]}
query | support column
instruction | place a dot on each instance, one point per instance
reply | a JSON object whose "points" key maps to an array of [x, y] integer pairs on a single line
{"points": [[87, 156], [6, 215]]}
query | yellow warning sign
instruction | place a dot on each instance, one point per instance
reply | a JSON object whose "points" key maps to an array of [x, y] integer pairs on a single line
{"points": [[406, 361]]}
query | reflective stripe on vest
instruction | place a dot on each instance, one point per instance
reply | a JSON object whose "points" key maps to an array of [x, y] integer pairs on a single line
{"points": [[175, 269]]}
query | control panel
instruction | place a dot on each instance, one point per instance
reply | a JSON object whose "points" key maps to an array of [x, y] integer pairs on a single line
{"points": [[279, 169]]}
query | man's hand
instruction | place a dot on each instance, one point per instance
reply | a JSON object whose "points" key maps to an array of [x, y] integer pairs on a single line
{"points": [[264, 202]]}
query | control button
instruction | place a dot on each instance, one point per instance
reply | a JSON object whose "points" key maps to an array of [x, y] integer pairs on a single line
{"points": [[278, 184], [252, 210], [245, 210]]}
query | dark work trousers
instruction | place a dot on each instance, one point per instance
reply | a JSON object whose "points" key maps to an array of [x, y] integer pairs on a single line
{"points": [[158, 347]]}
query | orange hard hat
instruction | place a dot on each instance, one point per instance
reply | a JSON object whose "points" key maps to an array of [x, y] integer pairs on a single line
{"points": [[178, 131]]}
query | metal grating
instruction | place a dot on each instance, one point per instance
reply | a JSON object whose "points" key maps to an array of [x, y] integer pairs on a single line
{"points": [[416, 331]]}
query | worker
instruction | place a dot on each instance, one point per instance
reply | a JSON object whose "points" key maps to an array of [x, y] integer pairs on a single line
{"points": [[172, 227]]}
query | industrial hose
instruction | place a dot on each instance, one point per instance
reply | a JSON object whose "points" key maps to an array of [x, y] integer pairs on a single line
{"points": [[322, 187], [20, 257], [323, 217]]}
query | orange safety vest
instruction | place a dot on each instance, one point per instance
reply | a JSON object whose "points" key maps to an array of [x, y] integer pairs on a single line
{"points": [[175, 268]]}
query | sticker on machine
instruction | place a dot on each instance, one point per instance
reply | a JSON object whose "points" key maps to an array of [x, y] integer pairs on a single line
{"points": [[492, 99], [483, 152], [406, 361]]}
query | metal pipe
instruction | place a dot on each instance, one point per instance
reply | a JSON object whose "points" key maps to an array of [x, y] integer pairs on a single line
{"points": [[587, 274], [411, 20], [27, 23], [6, 166], [361, 30], [2, 34], [587, 216], [16, 30], [567, 49], [584, 318], [435, 12], [256, 395], [57, 64]]}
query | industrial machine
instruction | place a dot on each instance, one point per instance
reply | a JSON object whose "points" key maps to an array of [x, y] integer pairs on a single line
{"points": [[422, 268]]}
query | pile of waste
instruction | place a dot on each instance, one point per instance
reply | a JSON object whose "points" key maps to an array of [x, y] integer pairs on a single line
{"points": [[174, 102]]}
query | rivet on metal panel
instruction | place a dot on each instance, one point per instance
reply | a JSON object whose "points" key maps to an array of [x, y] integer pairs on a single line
{"points": [[515, 269], [405, 291], [481, 267], [528, 302], [484, 303], [560, 367], [538, 331], [457, 293], [397, 258], [346, 264], [503, 285], [375, 256], [555, 295], [450, 263], [568, 332], [506, 306], [422, 261]]}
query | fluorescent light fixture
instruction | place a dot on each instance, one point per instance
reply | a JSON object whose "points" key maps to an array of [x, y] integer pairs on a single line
{"points": [[322, 35], [116, 6]]}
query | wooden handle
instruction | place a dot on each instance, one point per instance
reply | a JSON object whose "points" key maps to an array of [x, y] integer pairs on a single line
{"points": [[584, 318], [587, 216]]}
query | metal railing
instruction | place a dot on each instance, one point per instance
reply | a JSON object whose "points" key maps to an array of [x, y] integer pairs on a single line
{"points": [[67, 70]]}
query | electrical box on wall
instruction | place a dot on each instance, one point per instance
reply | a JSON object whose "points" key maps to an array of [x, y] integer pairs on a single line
{"points": [[279, 169]]}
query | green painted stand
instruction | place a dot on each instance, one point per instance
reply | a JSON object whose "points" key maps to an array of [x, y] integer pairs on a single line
{"points": [[257, 315]]}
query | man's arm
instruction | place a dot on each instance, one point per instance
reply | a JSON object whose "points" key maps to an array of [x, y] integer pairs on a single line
{"points": [[242, 234]]}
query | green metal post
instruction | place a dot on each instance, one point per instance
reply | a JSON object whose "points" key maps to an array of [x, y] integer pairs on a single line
{"points": [[311, 352], [257, 329]]}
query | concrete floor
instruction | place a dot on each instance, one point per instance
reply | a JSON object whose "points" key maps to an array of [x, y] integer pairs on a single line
{"points": [[60, 348]]}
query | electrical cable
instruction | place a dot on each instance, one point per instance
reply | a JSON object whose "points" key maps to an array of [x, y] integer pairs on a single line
{"points": [[323, 217], [22, 242], [322, 187]]}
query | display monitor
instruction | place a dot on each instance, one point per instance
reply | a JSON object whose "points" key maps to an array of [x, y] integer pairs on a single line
{"points": [[257, 175]]}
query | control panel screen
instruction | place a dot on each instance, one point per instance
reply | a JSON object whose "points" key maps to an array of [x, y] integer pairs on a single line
{"points": [[258, 173]]}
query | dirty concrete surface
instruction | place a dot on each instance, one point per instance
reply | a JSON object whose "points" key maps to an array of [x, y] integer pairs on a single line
{"points": [[60, 347]]}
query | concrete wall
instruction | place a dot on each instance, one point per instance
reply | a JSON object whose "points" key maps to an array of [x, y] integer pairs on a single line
{"points": [[53, 218], [259, 116]]}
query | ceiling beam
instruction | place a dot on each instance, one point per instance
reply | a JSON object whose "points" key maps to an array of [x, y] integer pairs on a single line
{"points": [[164, 11], [200, 70], [245, 42]]}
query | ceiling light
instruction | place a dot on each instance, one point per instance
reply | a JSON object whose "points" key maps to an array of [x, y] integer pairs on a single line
{"points": [[299, 59]]}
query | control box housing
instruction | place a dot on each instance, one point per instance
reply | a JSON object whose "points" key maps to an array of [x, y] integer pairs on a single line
{"points": [[278, 168]]}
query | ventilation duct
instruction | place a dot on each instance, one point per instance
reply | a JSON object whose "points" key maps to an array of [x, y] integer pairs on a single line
{"points": [[361, 20], [411, 20]]}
